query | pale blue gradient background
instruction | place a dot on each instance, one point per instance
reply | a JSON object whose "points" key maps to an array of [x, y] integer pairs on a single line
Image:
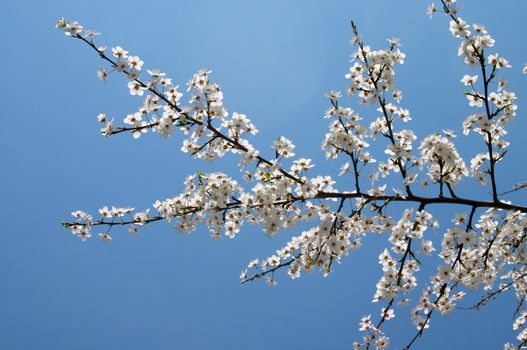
{"points": [[274, 60]]}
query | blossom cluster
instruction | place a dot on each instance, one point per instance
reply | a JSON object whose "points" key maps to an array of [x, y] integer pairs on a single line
{"points": [[483, 247]]}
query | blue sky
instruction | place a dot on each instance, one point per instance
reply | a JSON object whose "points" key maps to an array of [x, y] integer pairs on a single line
{"points": [[274, 60]]}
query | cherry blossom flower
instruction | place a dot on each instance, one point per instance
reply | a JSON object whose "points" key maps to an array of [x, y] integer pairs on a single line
{"points": [[136, 88], [72, 29], [119, 52], [469, 79]]}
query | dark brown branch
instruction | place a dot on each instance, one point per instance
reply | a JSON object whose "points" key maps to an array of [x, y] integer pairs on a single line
{"points": [[235, 144], [494, 294], [369, 198], [442, 291]]}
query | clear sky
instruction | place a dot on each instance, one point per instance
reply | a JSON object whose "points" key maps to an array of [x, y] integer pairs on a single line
{"points": [[275, 60]]}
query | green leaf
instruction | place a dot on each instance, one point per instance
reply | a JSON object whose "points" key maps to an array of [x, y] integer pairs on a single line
{"points": [[502, 155], [418, 261]]}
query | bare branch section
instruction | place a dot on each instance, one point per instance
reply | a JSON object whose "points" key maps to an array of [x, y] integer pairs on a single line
{"points": [[484, 244]]}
